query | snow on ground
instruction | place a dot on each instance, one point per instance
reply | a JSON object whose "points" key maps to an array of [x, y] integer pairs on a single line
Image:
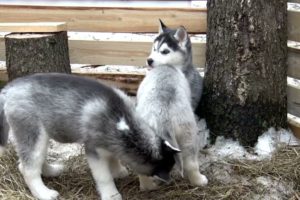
{"points": [[77, 68], [272, 189], [214, 162], [60, 152], [267, 144], [272, 140]]}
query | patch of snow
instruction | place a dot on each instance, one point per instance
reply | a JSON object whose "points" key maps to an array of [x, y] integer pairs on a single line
{"points": [[60, 152], [203, 133], [267, 144], [294, 7], [2, 65], [293, 82], [227, 148], [109, 69], [214, 162], [272, 189], [198, 4], [271, 140], [293, 44], [222, 173]]}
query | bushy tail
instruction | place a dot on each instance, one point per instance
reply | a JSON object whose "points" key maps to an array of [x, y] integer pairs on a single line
{"points": [[3, 129]]}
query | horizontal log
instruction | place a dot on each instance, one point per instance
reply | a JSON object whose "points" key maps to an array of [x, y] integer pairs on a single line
{"points": [[293, 96], [2, 48], [294, 1], [294, 124], [121, 52], [294, 60], [33, 27], [125, 80], [108, 19], [117, 49], [125, 19], [133, 49], [293, 22]]}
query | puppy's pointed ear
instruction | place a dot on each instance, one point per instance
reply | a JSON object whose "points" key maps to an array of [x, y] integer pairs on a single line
{"points": [[181, 35], [162, 27]]}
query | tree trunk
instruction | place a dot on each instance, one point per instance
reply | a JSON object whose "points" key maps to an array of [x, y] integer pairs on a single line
{"points": [[28, 53], [246, 68]]}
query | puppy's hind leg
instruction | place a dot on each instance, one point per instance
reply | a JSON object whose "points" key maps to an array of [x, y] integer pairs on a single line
{"points": [[191, 170], [32, 144], [190, 150], [98, 161]]}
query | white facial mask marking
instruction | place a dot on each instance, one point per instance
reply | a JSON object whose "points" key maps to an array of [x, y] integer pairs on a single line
{"points": [[122, 125]]}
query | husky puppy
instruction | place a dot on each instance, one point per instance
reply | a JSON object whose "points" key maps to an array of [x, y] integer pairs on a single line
{"points": [[69, 109], [173, 47], [164, 100]]}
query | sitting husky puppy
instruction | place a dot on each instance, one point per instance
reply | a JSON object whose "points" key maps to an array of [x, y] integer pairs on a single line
{"points": [[173, 47], [164, 100], [69, 109]]}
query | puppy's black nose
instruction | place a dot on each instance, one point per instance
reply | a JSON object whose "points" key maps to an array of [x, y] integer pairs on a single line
{"points": [[149, 61]]}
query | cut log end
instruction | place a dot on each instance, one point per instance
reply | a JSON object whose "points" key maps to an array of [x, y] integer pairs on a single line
{"points": [[30, 53]]}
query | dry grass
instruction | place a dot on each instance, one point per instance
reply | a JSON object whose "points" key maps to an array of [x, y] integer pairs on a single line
{"points": [[77, 183]]}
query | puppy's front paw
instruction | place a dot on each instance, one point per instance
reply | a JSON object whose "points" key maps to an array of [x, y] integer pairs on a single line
{"points": [[116, 196], [46, 194], [198, 180]]}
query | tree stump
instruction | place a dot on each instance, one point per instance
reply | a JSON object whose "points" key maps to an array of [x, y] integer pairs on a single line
{"points": [[246, 68], [28, 53]]}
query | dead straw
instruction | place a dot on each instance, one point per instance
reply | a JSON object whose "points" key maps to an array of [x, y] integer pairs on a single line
{"points": [[77, 182]]}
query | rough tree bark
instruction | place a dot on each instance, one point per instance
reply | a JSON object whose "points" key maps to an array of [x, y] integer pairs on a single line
{"points": [[28, 53], [246, 70]]}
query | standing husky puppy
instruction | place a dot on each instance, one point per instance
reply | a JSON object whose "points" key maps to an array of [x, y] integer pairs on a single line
{"points": [[173, 47], [163, 99], [69, 109]]}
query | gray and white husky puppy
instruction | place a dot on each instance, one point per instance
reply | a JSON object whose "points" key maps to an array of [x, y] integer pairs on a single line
{"points": [[173, 47], [69, 109], [164, 100]]}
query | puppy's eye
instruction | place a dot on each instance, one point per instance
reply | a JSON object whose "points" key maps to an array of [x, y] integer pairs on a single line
{"points": [[166, 51]]}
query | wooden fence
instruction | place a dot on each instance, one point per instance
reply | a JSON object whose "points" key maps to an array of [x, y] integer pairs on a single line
{"points": [[127, 46]]}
